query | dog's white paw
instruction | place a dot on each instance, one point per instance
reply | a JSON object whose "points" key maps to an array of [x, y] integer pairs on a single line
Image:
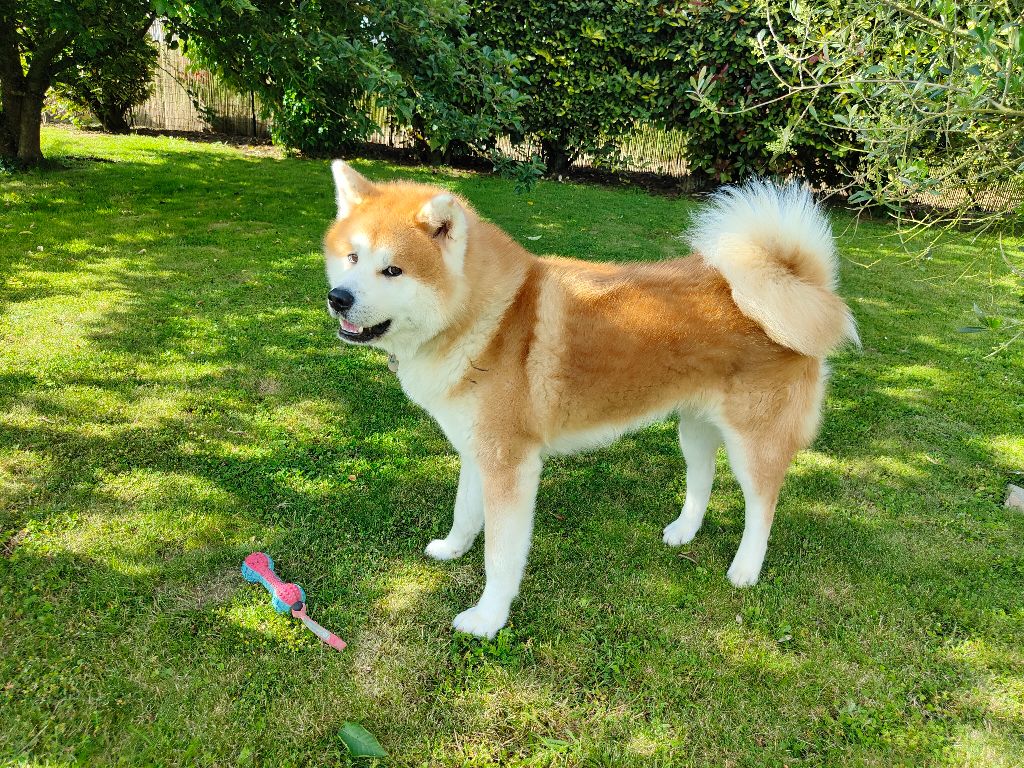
{"points": [[479, 622], [680, 532], [442, 549], [744, 572]]}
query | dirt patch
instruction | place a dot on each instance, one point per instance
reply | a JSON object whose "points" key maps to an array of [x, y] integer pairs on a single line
{"points": [[215, 590], [10, 543], [268, 386]]}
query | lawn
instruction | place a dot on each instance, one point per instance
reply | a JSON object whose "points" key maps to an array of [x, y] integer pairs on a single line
{"points": [[172, 397]]}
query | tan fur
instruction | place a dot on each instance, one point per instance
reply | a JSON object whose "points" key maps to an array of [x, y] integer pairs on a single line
{"points": [[802, 314], [550, 350], [774, 247]]}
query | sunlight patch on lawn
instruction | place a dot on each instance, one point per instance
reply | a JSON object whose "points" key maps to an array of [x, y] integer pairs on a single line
{"points": [[878, 465], [79, 246], [262, 621], [140, 541], [407, 585], [650, 740], [304, 485], [135, 238], [998, 691], [753, 648], [310, 418], [175, 368], [97, 412], [152, 489], [48, 329], [986, 747], [890, 466], [140, 520], [23, 475], [1010, 448], [918, 373]]}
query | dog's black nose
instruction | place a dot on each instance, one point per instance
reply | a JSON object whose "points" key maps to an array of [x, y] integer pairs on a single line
{"points": [[340, 299]]}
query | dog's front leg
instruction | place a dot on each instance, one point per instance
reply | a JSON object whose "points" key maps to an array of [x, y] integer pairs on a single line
{"points": [[468, 518], [510, 491]]}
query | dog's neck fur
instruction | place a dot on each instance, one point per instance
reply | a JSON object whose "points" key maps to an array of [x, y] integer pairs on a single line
{"points": [[495, 269]]}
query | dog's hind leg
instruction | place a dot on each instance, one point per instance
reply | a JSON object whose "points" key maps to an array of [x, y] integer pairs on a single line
{"points": [[699, 440], [763, 431], [759, 469], [760, 450], [510, 492], [469, 515]]}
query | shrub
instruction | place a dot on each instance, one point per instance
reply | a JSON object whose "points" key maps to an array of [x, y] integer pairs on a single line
{"points": [[319, 68], [589, 67], [738, 116]]}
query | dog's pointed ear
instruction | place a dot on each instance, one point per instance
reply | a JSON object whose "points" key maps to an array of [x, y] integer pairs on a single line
{"points": [[350, 187], [445, 220]]}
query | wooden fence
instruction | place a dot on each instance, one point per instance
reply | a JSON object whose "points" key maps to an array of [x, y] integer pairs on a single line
{"points": [[185, 98]]}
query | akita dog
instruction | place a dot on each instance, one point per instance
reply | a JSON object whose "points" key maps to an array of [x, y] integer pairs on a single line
{"points": [[518, 357]]}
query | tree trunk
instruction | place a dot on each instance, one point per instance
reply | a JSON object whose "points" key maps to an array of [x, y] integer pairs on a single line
{"points": [[20, 120], [556, 158], [23, 92], [8, 148], [113, 119], [10, 119], [29, 150], [19, 128]]}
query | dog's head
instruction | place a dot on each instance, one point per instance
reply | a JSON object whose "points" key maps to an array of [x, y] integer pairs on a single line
{"points": [[394, 260]]}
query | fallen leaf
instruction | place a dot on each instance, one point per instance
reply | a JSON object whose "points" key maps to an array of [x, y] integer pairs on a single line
{"points": [[360, 742]]}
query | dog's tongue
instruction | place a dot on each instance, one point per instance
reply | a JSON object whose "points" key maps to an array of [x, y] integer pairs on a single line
{"points": [[349, 328]]}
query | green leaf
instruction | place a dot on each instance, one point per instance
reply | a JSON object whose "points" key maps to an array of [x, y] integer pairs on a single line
{"points": [[360, 742]]}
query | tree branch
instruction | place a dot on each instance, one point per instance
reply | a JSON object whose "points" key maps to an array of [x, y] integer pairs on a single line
{"points": [[42, 67]]}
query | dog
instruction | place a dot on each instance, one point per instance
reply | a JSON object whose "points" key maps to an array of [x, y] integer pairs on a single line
{"points": [[518, 357]]}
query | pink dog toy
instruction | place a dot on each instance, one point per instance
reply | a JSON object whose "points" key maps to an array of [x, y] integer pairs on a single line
{"points": [[287, 598]]}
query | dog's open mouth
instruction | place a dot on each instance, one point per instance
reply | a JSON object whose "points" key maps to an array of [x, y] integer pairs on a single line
{"points": [[359, 334]]}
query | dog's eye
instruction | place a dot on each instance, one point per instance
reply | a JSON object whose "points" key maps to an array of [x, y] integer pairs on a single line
{"points": [[352, 258], [391, 271]]}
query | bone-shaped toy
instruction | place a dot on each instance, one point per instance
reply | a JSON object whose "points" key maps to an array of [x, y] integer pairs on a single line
{"points": [[287, 597]]}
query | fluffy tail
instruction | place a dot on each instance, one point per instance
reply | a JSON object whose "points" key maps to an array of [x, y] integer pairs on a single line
{"points": [[774, 247]]}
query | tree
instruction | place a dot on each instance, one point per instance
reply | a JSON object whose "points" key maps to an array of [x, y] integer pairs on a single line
{"points": [[934, 94], [108, 86], [322, 68], [40, 41]]}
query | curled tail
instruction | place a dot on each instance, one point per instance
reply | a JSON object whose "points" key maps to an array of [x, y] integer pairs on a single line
{"points": [[774, 247]]}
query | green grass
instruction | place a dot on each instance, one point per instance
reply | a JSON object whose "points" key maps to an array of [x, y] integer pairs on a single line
{"points": [[172, 397]]}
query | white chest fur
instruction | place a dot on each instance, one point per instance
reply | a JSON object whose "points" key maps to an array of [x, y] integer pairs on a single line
{"points": [[428, 383]]}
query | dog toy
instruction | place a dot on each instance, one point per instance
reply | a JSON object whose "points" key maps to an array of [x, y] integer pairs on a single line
{"points": [[286, 597]]}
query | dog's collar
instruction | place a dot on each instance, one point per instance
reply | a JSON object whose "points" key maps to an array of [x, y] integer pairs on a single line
{"points": [[393, 363]]}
